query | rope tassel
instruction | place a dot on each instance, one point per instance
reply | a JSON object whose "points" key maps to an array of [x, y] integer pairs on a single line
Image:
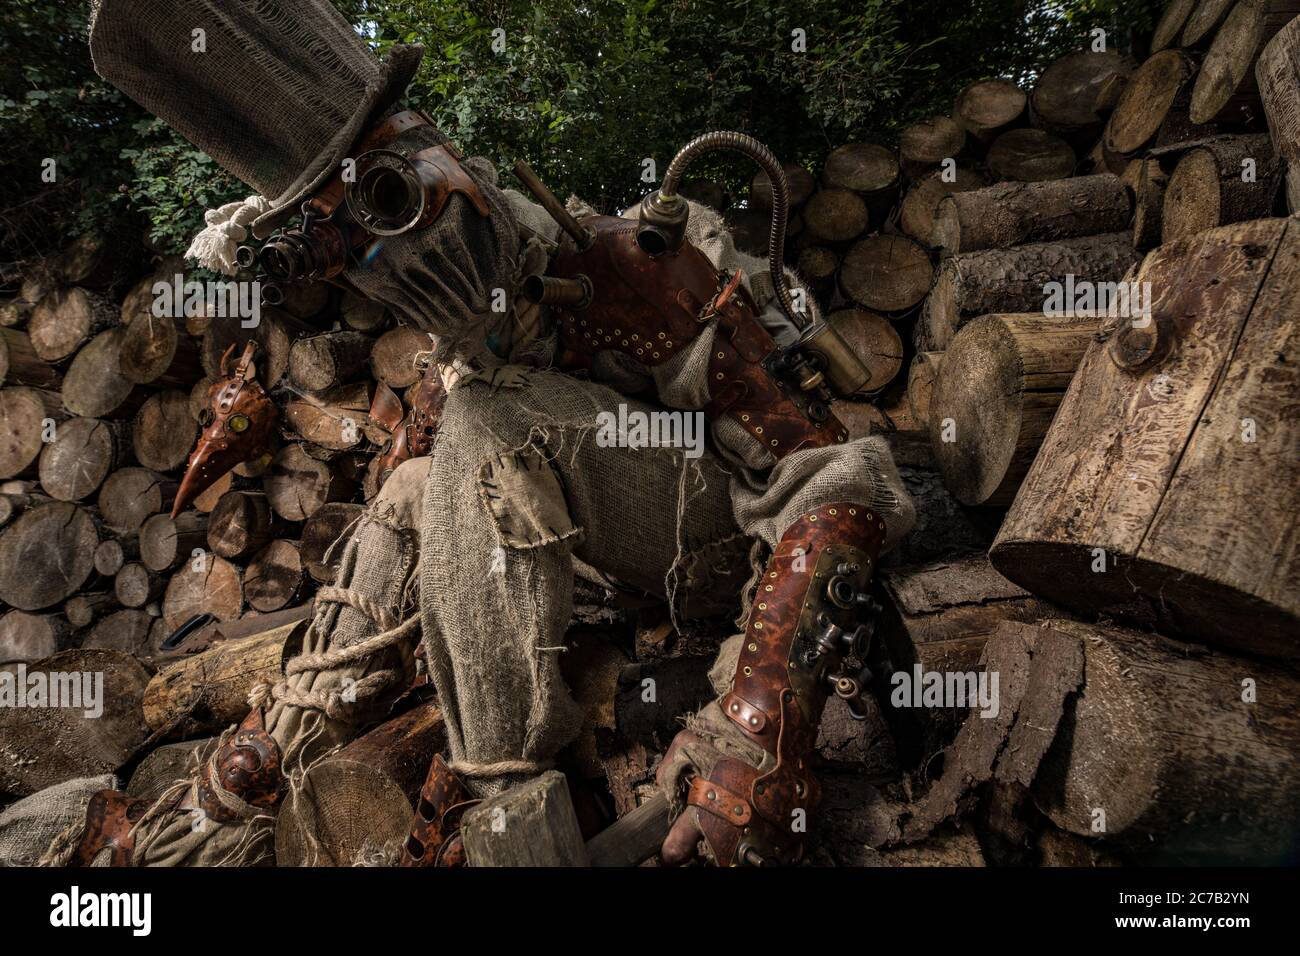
{"points": [[214, 247]]}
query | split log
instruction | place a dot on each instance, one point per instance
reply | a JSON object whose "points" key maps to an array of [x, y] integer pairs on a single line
{"points": [[84, 452], [94, 734], [29, 637], [1210, 187], [835, 215], [240, 524], [20, 365], [1225, 89], [207, 692], [94, 386], [1002, 378], [210, 585], [888, 274], [49, 554], [319, 533], [989, 107], [920, 386], [532, 824], [1278, 75], [1148, 204], [1031, 156], [91, 260], [1204, 20], [82, 610], [274, 578], [392, 360], [163, 432], [1167, 489], [205, 502], [27, 417], [632, 839], [1147, 101], [297, 485], [155, 352], [916, 217], [1073, 95], [321, 362], [63, 321], [363, 315], [1013, 280], [113, 553], [130, 495], [129, 631], [1010, 214], [1169, 27], [923, 146], [361, 800], [167, 542], [874, 341], [1175, 753], [135, 585], [799, 182]]}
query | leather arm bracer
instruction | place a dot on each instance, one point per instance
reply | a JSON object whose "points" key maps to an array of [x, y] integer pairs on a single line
{"points": [[802, 627]]}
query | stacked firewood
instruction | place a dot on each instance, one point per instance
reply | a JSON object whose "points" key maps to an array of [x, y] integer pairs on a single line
{"points": [[100, 405], [1105, 497]]}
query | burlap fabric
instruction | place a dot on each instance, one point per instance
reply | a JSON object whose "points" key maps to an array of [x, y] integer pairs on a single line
{"points": [[28, 827]]}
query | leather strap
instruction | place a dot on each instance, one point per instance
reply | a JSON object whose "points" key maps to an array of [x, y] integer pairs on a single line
{"points": [[110, 816]]}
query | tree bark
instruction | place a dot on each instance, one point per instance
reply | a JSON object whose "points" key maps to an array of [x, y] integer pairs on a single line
{"points": [[1278, 75], [1010, 214], [916, 217], [1166, 490], [1207, 188], [1169, 27], [1225, 90], [20, 365], [920, 386], [1012, 280], [322, 362], [1189, 755]]}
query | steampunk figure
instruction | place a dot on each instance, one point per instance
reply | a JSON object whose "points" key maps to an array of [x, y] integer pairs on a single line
{"points": [[473, 546]]}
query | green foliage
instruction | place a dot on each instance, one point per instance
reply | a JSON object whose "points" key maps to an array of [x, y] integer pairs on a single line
{"points": [[585, 92]]}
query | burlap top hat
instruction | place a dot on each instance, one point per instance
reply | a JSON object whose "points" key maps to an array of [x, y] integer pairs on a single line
{"points": [[276, 91]]}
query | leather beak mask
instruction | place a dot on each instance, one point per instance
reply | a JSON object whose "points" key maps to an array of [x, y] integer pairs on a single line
{"points": [[412, 432], [238, 423]]}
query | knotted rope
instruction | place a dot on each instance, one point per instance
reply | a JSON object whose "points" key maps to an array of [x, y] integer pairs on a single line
{"points": [[336, 702], [214, 247]]}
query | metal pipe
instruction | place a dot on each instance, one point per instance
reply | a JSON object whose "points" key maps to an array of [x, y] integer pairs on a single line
{"points": [[552, 290], [741, 143], [581, 235]]}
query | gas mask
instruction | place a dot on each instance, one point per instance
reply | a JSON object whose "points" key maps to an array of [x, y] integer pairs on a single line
{"points": [[410, 224], [238, 425]]}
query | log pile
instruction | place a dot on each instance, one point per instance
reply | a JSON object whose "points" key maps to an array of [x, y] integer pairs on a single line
{"points": [[1077, 303]]}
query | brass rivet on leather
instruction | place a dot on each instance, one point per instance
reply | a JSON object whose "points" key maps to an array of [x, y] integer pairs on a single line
{"points": [[722, 355], [618, 331], [735, 708], [748, 671], [720, 376], [853, 511], [762, 607], [758, 429], [656, 354], [752, 647], [669, 343], [753, 721], [767, 587], [712, 795], [624, 343], [868, 515], [744, 418], [661, 335], [758, 625], [738, 811], [773, 442], [812, 517], [833, 511]]}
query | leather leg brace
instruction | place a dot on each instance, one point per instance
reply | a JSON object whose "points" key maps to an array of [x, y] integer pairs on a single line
{"points": [[434, 839], [800, 629]]}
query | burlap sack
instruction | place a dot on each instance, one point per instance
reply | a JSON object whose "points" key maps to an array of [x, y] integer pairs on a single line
{"points": [[28, 827]]}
